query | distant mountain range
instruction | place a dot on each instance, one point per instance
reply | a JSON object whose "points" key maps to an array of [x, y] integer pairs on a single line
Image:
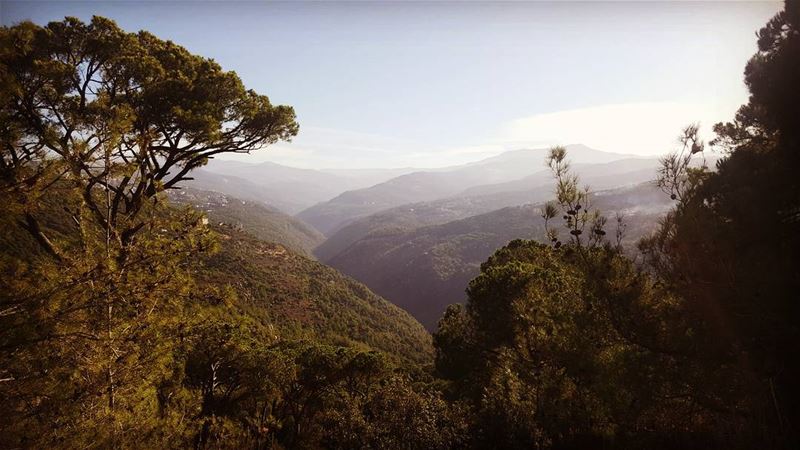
{"points": [[329, 199], [484, 198], [286, 188], [421, 186]]}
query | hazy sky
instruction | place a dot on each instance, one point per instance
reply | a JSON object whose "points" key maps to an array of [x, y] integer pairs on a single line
{"points": [[431, 84]]}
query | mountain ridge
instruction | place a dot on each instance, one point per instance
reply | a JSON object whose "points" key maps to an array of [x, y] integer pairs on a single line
{"points": [[330, 216]]}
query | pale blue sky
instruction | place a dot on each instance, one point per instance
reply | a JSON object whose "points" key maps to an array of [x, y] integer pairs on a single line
{"points": [[431, 84]]}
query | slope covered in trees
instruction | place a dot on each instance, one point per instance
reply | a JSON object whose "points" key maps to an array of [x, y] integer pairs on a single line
{"points": [[403, 218], [261, 221], [108, 338], [303, 299], [250, 302]]}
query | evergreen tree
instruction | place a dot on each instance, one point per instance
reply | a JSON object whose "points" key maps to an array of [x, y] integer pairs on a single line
{"points": [[730, 249], [95, 124]]}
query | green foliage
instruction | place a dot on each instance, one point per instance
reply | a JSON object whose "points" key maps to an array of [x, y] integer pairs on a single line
{"points": [[125, 112], [301, 395], [398, 416], [83, 338], [729, 251], [574, 203], [95, 123], [200, 359], [572, 346], [552, 350], [120, 328], [303, 299]]}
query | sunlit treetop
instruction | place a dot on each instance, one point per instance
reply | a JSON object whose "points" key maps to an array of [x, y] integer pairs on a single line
{"points": [[127, 112]]}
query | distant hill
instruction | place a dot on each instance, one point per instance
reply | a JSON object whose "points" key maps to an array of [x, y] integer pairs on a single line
{"points": [[599, 176], [425, 269], [303, 298], [331, 216], [255, 218], [411, 216], [484, 198], [518, 160], [205, 180], [287, 188]]}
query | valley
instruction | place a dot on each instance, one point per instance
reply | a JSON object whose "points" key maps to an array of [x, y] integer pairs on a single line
{"points": [[419, 238]]}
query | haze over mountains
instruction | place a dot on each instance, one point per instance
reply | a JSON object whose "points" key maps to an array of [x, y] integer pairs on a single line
{"points": [[421, 186], [484, 198], [329, 199], [416, 237], [287, 188], [427, 268]]}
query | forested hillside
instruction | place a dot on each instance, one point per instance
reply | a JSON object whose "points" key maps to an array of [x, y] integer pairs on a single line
{"points": [[302, 299], [128, 321], [259, 220], [401, 219]]}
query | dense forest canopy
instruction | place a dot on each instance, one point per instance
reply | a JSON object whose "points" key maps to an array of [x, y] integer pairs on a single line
{"points": [[129, 321]]}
